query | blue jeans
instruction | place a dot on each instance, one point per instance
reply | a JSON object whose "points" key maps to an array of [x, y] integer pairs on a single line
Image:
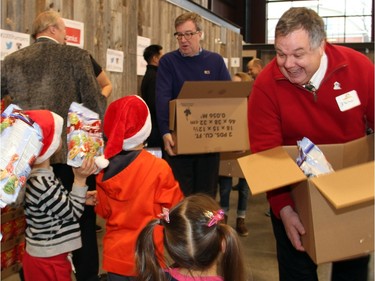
{"points": [[243, 195]]}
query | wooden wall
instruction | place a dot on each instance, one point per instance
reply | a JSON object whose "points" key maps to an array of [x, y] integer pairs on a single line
{"points": [[115, 24]]}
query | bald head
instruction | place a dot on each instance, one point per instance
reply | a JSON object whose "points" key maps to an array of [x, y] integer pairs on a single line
{"points": [[254, 67]]}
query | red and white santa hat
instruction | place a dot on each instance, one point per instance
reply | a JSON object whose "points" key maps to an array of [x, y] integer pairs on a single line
{"points": [[127, 124], [51, 126]]}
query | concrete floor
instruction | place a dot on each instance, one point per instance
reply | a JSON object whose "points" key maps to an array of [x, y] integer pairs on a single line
{"points": [[259, 246]]}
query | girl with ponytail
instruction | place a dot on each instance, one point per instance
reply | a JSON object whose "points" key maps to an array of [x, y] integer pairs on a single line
{"points": [[198, 243]]}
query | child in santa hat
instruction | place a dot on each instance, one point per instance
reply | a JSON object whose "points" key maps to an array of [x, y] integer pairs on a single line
{"points": [[134, 188], [52, 213]]}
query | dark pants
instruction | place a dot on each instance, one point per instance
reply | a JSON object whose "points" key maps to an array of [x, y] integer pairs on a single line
{"points": [[85, 259], [196, 173], [117, 277], [298, 266]]}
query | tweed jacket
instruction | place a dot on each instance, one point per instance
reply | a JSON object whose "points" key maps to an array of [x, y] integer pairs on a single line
{"points": [[48, 75]]}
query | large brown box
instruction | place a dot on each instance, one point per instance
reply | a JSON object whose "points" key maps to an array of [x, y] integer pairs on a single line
{"points": [[229, 166], [210, 116], [336, 209]]}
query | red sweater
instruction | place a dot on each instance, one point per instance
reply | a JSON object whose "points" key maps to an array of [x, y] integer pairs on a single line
{"points": [[128, 201], [281, 113]]}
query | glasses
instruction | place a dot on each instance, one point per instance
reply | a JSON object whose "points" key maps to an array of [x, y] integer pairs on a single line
{"points": [[187, 35]]}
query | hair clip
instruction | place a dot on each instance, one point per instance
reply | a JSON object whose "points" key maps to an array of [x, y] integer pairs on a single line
{"points": [[214, 218], [165, 214]]}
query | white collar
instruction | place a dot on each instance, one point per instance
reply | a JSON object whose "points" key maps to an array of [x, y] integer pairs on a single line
{"points": [[317, 78], [48, 37]]}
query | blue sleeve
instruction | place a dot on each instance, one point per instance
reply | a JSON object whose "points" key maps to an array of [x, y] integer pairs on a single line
{"points": [[163, 96], [224, 73]]}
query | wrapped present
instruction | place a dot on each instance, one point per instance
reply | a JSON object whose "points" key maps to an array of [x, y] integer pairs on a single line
{"points": [[84, 134], [21, 143]]}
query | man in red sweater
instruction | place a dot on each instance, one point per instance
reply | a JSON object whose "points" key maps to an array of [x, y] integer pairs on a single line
{"points": [[301, 93]]}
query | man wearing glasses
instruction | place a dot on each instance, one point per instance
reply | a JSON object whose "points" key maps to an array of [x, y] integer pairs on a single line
{"points": [[195, 172]]}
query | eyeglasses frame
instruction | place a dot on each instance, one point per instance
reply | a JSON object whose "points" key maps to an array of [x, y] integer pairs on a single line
{"points": [[179, 35]]}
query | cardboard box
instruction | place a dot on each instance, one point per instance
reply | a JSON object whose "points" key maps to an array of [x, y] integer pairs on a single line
{"points": [[229, 166], [210, 116], [336, 209]]}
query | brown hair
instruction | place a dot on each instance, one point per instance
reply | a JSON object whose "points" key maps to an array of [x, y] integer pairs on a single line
{"points": [[257, 62], [191, 243], [194, 17], [243, 76]]}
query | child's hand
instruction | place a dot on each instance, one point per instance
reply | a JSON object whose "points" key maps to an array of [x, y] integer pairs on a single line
{"points": [[81, 173], [91, 198]]}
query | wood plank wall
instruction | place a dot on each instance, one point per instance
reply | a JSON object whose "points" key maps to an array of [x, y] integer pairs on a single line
{"points": [[115, 24]]}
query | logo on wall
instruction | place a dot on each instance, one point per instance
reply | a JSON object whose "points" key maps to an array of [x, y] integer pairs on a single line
{"points": [[74, 33], [12, 41]]}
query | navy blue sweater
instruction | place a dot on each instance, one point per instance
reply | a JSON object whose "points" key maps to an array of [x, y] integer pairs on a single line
{"points": [[174, 69]]}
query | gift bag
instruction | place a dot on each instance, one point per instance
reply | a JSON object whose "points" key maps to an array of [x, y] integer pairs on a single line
{"points": [[21, 142], [84, 134]]}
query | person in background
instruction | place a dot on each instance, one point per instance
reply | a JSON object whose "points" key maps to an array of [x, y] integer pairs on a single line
{"points": [[152, 55], [52, 213], [195, 172], [106, 86], [296, 96], [49, 74], [254, 67], [241, 76], [134, 188], [102, 78], [200, 246], [225, 185]]}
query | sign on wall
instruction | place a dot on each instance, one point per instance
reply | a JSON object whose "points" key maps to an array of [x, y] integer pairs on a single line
{"points": [[115, 60], [12, 41], [74, 33], [142, 44]]}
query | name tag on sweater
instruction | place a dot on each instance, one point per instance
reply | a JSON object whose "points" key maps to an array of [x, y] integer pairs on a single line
{"points": [[348, 100]]}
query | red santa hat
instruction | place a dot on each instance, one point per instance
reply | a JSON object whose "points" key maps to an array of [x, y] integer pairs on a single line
{"points": [[51, 126], [127, 124]]}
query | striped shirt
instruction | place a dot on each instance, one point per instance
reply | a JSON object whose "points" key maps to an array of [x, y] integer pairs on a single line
{"points": [[52, 215]]}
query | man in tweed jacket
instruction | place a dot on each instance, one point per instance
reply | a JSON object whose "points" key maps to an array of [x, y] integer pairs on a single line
{"points": [[51, 75]]}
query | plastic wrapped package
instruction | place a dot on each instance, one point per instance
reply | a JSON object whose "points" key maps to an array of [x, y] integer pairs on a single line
{"points": [[311, 159], [21, 143], [84, 134]]}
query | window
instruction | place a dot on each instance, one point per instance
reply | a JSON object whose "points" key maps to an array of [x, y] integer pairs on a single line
{"points": [[346, 21]]}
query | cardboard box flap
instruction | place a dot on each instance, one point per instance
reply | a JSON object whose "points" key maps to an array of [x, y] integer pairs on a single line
{"points": [[349, 186], [343, 154], [270, 169], [350, 153], [232, 155], [214, 89], [359, 151]]}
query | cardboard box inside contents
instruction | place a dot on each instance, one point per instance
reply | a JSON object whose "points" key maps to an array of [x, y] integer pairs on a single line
{"points": [[336, 209], [210, 116]]}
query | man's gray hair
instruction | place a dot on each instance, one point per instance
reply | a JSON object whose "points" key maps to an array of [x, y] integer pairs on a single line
{"points": [[44, 20], [307, 19]]}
